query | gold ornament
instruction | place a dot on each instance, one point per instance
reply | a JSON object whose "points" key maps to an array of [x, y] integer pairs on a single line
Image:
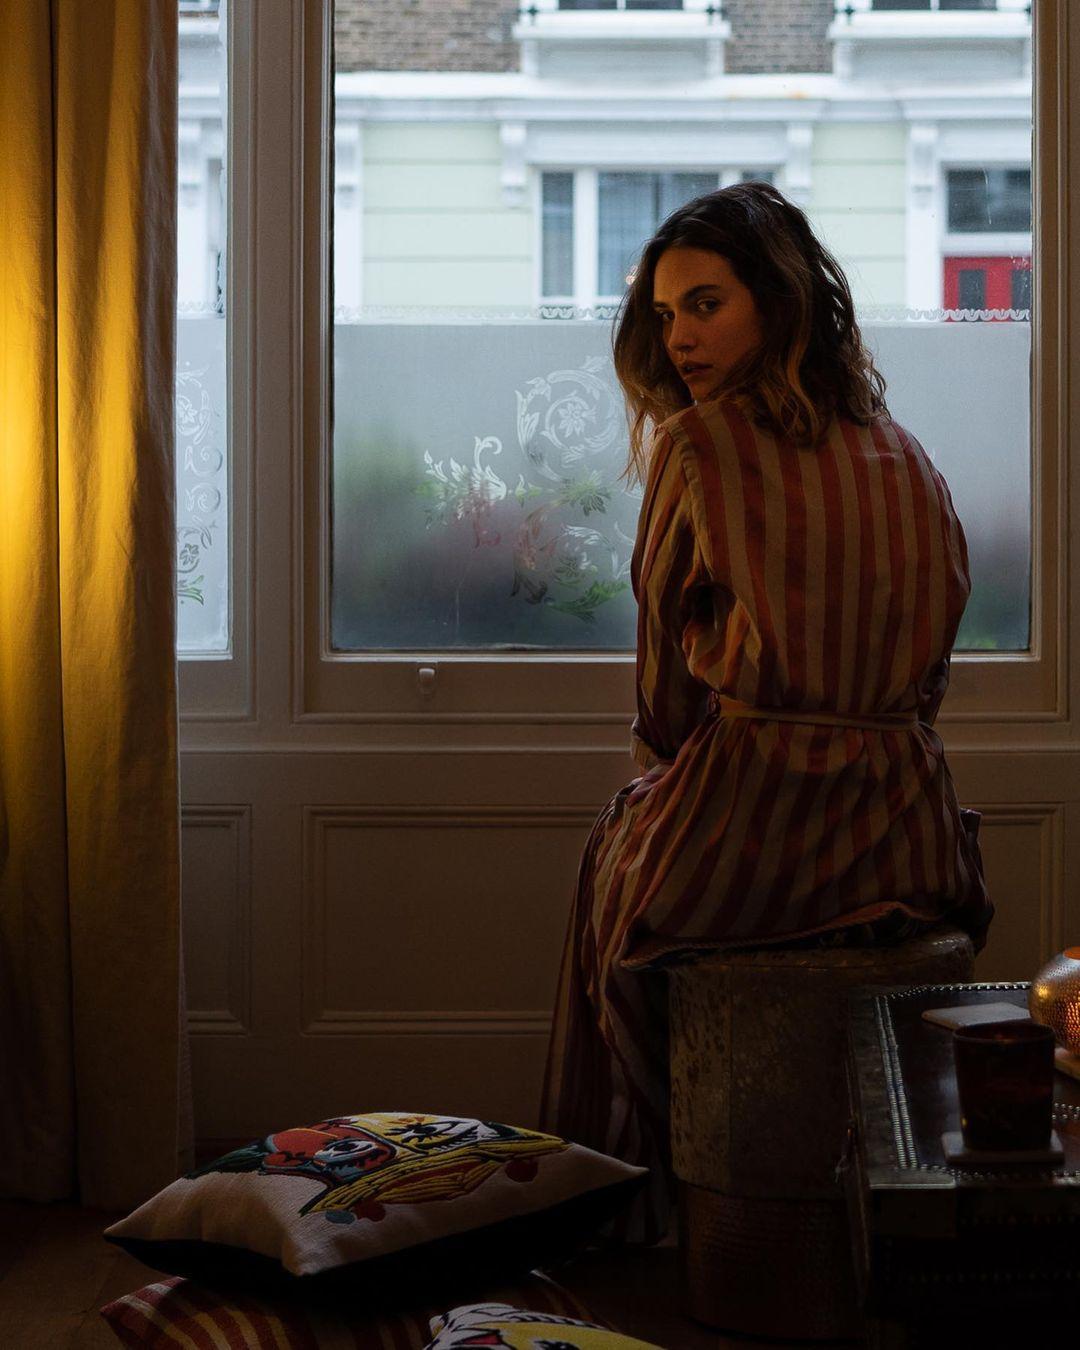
{"points": [[1055, 998]]}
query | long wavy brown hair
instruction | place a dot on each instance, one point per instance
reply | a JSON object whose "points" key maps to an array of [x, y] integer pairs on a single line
{"points": [[812, 363]]}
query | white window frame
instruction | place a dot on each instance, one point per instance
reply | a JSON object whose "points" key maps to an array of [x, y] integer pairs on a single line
{"points": [[219, 686], [279, 289]]}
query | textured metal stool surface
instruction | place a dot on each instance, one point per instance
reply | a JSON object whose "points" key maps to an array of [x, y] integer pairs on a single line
{"points": [[774, 1267], [758, 1096], [758, 1118]]}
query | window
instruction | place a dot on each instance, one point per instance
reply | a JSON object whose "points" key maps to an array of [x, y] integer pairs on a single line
{"points": [[558, 235], [600, 219], [474, 496], [987, 200], [202, 466], [1020, 286], [987, 256], [631, 206], [971, 288]]}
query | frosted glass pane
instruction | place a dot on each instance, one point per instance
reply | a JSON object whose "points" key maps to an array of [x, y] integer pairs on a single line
{"points": [[475, 501], [475, 493], [202, 507], [963, 389]]}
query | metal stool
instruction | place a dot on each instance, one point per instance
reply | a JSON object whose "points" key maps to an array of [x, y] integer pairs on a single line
{"points": [[758, 1120]]}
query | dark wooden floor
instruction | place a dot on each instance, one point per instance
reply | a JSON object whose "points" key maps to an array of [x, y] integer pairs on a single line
{"points": [[55, 1272]]}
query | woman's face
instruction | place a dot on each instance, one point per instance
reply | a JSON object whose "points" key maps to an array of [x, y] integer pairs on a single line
{"points": [[708, 318]]}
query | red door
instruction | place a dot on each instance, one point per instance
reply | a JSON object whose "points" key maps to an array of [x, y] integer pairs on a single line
{"points": [[988, 283]]}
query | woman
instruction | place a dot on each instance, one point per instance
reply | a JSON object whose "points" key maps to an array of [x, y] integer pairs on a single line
{"points": [[800, 575]]}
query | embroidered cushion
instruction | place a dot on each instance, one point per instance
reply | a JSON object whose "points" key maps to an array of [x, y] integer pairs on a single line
{"points": [[381, 1206], [176, 1312], [508, 1328]]}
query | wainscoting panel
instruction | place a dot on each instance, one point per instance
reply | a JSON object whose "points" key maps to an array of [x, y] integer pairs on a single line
{"points": [[216, 876], [407, 913], [435, 920], [1023, 850]]}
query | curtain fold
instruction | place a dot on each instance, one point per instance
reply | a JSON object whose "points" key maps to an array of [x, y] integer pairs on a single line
{"points": [[90, 1028]]}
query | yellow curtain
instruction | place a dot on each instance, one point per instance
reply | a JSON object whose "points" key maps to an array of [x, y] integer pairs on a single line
{"points": [[90, 1043]]}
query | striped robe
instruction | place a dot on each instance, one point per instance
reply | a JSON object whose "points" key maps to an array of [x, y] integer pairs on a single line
{"points": [[824, 579]]}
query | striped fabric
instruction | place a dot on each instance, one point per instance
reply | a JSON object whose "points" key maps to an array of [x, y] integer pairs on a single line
{"points": [[175, 1313], [498, 1325], [830, 579]]}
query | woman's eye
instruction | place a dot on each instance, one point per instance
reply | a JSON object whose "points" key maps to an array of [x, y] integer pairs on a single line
{"points": [[710, 303]]}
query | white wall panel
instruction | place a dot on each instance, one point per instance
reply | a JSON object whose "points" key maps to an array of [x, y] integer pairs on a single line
{"points": [[1022, 848], [216, 906], [429, 918]]}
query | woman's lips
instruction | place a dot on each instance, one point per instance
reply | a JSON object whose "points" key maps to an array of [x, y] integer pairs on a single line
{"points": [[695, 371]]}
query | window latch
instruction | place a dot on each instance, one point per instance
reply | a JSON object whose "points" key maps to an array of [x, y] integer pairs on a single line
{"points": [[425, 678]]}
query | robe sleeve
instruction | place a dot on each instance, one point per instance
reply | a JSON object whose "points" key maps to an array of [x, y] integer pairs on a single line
{"points": [[670, 585], [932, 691]]}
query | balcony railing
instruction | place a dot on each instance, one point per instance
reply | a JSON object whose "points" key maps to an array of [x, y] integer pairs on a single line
{"points": [[934, 4], [849, 8], [658, 40], [534, 9], [620, 4]]}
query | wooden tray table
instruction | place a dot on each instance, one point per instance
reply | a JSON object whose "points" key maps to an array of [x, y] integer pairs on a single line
{"points": [[948, 1255]]}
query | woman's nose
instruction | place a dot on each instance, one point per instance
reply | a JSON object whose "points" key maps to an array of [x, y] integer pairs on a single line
{"points": [[679, 336]]}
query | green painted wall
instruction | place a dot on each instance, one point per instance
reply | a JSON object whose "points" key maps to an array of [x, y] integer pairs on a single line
{"points": [[436, 231], [857, 204]]}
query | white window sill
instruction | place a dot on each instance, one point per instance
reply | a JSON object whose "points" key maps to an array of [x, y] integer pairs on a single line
{"points": [[621, 26]]}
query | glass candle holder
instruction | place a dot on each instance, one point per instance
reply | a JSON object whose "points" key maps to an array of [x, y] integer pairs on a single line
{"points": [[1005, 1081]]}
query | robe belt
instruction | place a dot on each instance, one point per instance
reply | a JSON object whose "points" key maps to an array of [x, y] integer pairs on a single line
{"points": [[732, 707]]}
